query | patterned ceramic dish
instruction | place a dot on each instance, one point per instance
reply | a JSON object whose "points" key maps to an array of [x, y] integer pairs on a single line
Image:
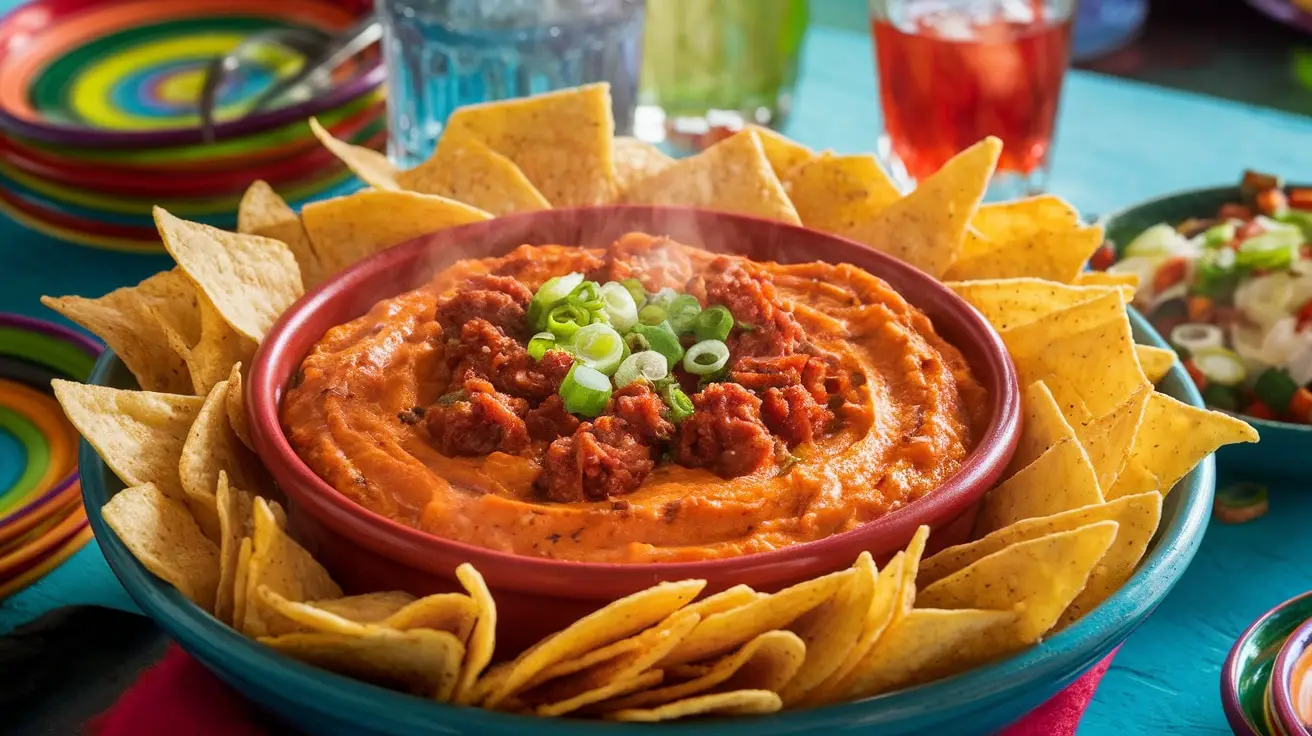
{"points": [[1260, 662]]}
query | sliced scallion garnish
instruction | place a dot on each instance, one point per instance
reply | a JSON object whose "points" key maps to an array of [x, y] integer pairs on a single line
{"points": [[647, 365], [551, 294], [706, 358], [600, 347], [714, 323], [585, 391]]}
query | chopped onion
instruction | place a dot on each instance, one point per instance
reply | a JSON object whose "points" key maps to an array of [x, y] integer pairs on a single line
{"points": [[600, 347], [706, 358], [1266, 300], [1195, 336], [1300, 365], [585, 391], [619, 306], [647, 365], [1158, 240]]}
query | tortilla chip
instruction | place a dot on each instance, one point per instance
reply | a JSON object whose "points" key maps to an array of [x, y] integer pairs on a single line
{"points": [[211, 354], [1059, 480], [482, 641], [161, 534], [1010, 303], [837, 193], [348, 229], [731, 176], [1037, 578], [910, 569], [269, 216], [736, 703], [931, 643], [1127, 283], [926, 227], [1133, 479], [234, 511], [1042, 425], [721, 632], [261, 207], [768, 662], [367, 608], [887, 601], [635, 161], [249, 279], [616, 621], [1107, 439], [239, 584], [1037, 237], [1138, 517], [1156, 362], [123, 319], [420, 662], [236, 407], [1174, 437], [211, 447], [282, 565], [470, 172], [726, 600], [784, 153], [139, 434], [452, 612], [831, 630], [560, 140], [1019, 218], [371, 166]]}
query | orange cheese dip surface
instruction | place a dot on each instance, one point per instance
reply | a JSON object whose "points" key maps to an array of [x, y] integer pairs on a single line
{"points": [[841, 404]]}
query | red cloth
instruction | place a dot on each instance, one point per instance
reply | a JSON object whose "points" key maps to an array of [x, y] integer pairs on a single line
{"points": [[178, 695]]}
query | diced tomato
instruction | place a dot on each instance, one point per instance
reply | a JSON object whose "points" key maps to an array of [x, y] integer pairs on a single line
{"points": [[1271, 202], [1234, 212], [1200, 308], [1248, 230], [1170, 273], [1300, 199], [1304, 315], [1192, 369], [1300, 408], [1258, 410], [1305, 251], [1104, 257]]}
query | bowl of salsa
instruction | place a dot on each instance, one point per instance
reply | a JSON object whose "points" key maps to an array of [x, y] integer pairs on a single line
{"points": [[1225, 275]]}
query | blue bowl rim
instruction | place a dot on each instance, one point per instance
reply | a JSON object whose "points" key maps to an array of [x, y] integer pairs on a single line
{"points": [[1231, 674], [1068, 653], [1105, 221]]}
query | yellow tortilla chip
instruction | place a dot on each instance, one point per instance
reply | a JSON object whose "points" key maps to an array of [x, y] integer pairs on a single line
{"points": [[1037, 578], [371, 166], [1059, 480], [721, 632], [452, 612], [482, 641], [1174, 437], [261, 207], [886, 602], [211, 354], [726, 600], [348, 229], [367, 608], [1127, 283], [926, 227], [123, 319], [161, 534], [616, 621], [1037, 237], [139, 434], [470, 172], [249, 279], [831, 630], [784, 153], [282, 565], [1107, 439], [268, 215], [733, 175], [239, 584], [420, 662], [1138, 517], [234, 511], [1156, 362], [1010, 303], [1042, 425], [931, 643], [560, 140], [1018, 218], [636, 160], [211, 447], [736, 703], [837, 193], [1134, 478], [236, 407]]}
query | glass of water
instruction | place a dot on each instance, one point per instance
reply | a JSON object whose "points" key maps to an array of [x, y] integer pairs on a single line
{"points": [[442, 54]]}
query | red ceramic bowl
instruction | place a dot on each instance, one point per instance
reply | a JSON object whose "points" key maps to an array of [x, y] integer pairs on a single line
{"points": [[366, 551]]}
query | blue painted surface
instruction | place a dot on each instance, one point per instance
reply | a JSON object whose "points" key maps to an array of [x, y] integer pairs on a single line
{"points": [[1117, 142]]}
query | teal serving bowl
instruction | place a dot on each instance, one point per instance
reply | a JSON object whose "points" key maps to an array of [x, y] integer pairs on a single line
{"points": [[980, 701], [1280, 440]]}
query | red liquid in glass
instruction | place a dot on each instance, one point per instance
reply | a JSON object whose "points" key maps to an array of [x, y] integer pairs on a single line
{"points": [[941, 95]]}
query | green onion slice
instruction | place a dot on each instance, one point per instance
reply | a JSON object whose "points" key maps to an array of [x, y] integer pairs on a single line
{"points": [[651, 314], [663, 298], [540, 343], [619, 305], [683, 313], [550, 295], [659, 338], [680, 405], [1193, 337], [706, 358], [600, 347], [647, 365], [586, 295], [636, 290], [714, 323], [585, 391], [565, 320]]}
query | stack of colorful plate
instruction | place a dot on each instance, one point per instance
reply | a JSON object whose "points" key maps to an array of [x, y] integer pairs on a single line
{"points": [[42, 521], [99, 113]]}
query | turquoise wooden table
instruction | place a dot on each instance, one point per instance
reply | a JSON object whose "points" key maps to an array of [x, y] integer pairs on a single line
{"points": [[1117, 142]]}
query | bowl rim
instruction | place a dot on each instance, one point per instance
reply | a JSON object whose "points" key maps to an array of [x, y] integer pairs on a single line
{"points": [[1283, 671], [1049, 665], [1230, 669], [387, 537], [1106, 221]]}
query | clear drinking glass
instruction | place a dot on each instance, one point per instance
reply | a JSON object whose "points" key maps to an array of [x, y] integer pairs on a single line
{"points": [[954, 71], [442, 54], [711, 66]]}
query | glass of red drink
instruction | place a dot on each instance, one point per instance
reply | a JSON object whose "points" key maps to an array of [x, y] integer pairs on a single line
{"points": [[954, 71]]}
